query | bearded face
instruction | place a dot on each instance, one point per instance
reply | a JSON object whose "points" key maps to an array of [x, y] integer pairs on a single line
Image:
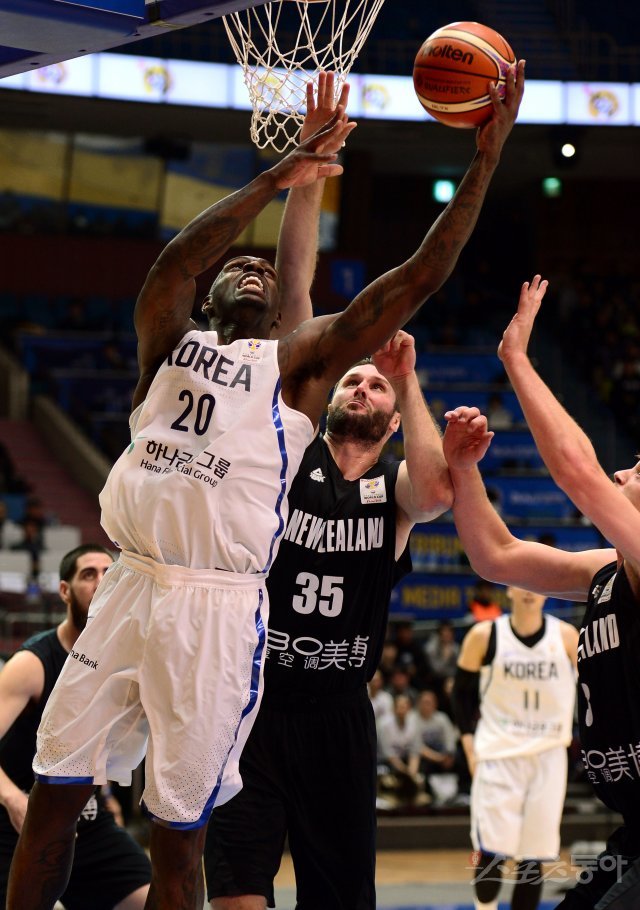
{"points": [[361, 425], [79, 612]]}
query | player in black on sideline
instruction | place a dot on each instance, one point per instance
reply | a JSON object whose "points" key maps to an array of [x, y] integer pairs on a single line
{"points": [[309, 767], [110, 871], [607, 579]]}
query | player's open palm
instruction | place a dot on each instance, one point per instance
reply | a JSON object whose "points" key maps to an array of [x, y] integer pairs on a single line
{"points": [[515, 339], [396, 358], [466, 438], [308, 161], [320, 109]]}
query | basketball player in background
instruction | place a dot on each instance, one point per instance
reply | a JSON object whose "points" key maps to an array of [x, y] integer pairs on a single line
{"points": [[198, 503], [523, 665], [607, 579], [309, 766], [110, 871]]}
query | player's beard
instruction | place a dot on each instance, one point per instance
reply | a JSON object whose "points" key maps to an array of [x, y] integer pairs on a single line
{"points": [[360, 426], [78, 614]]}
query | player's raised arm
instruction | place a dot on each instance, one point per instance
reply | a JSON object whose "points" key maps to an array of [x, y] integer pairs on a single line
{"points": [[389, 301], [423, 487], [297, 251], [163, 309], [564, 447], [493, 551]]}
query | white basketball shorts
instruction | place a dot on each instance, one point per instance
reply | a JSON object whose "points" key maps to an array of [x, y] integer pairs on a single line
{"points": [[516, 805], [172, 656]]}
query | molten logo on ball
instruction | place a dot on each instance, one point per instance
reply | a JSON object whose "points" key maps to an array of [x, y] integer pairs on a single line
{"points": [[452, 53], [453, 69]]}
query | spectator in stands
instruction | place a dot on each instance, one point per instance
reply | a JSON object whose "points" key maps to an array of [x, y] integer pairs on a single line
{"points": [[381, 700], [435, 745], [411, 654], [396, 742], [400, 683], [388, 660], [35, 513], [77, 317], [483, 604], [441, 651], [10, 531], [31, 541], [10, 480], [110, 870]]}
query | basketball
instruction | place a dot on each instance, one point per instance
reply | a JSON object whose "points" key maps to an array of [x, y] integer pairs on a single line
{"points": [[452, 70]]}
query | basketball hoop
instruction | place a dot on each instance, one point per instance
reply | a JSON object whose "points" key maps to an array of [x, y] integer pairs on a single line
{"points": [[282, 45]]}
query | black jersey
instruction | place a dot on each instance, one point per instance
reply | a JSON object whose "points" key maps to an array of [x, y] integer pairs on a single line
{"points": [[18, 745], [330, 585], [609, 692]]}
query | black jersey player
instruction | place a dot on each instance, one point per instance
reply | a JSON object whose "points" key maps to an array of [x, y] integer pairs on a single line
{"points": [[309, 767], [607, 579], [110, 870]]}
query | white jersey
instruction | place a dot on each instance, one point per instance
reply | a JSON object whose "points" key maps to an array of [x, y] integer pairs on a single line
{"points": [[526, 695], [214, 449]]}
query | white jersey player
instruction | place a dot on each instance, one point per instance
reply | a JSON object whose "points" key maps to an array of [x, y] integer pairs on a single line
{"points": [[525, 665]]}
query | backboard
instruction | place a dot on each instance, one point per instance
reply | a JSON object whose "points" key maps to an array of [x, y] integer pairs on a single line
{"points": [[35, 33]]}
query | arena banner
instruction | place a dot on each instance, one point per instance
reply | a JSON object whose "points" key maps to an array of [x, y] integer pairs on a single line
{"points": [[433, 596], [435, 546]]}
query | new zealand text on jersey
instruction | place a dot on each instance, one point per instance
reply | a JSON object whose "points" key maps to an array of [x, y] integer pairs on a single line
{"points": [[334, 534], [201, 358], [597, 636]]}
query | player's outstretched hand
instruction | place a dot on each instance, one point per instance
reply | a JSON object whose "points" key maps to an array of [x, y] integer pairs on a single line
{"points": [[321, 108], [492, 135], [466, 438], [315, 157], [396, 358], [515, 339]]}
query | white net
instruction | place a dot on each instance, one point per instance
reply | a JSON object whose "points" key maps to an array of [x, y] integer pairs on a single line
{"points": [[283, 45]]}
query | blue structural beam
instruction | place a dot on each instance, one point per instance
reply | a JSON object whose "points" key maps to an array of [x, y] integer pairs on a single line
{"points": [[35, 33]]}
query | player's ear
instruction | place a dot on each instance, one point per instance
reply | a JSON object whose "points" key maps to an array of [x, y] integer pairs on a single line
{"points": [[395, 422], [207, 305], [64, 590], [276, 322]]}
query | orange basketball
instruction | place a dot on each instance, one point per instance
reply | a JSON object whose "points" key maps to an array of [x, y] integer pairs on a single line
{"points": [[453, 68]]}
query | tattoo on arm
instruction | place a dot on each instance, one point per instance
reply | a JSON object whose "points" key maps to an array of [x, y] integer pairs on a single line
{"points": [[202, 247]]}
